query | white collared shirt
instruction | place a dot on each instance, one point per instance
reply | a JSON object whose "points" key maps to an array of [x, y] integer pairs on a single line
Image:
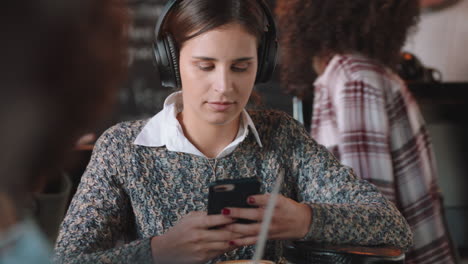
{"points": [[165, 130]]}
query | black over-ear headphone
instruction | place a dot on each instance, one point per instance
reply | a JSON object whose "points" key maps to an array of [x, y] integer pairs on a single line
{"points": [[166, 54]]}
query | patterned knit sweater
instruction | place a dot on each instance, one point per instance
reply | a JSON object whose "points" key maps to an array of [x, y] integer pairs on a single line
{"points": [[130, 193]]}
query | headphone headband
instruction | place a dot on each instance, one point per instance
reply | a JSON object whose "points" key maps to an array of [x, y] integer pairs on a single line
{"points": [[166, 53], [162, 17]]}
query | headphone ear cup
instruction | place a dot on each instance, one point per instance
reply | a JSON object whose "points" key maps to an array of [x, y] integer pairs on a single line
{"points": [[166, 60], [261, 62], [267, 53], [174, 59], [162, 63]]}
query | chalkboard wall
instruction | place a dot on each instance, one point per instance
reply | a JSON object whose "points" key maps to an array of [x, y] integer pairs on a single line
{"points": [[142, 95]]}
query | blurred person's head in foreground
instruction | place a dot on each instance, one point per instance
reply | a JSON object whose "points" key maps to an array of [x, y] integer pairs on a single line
{"points": [[62, 64], [313, 30]]}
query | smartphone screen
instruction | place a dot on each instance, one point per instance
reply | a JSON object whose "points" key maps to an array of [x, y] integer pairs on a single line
{"points": [[232, 193]]}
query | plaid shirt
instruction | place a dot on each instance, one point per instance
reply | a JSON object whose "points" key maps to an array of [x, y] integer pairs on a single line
{"points": [[367, 117]]}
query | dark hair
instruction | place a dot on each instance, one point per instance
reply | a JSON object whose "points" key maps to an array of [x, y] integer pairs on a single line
{"points": [[64, 60], [191, 18], [374, 28]]}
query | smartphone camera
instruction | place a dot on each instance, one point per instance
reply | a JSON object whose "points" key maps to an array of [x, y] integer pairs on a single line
{"points": [[232, 193]]}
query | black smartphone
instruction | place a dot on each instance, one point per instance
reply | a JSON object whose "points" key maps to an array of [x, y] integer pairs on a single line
{"points": [[232, 193]]}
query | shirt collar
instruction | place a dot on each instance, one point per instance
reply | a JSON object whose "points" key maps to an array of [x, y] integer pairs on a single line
{"points": [[322, 78], [335, 62], [165, 130]]}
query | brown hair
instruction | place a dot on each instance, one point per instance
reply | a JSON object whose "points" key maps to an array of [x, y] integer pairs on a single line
{"points": [[308, 28], [65, 61], [191, 18]]}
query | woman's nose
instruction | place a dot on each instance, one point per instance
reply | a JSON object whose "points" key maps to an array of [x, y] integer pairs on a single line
{"points": [[223, 82]]}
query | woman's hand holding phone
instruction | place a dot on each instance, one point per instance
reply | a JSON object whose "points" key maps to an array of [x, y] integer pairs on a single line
{"points": [[291, 220], [192, 240]]}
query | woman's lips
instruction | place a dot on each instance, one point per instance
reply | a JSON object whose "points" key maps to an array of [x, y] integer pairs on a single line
{"points": [[220, 106]]}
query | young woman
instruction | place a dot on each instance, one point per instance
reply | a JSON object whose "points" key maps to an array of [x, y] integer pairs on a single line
{"points": [[362, 111], [143, 197]]}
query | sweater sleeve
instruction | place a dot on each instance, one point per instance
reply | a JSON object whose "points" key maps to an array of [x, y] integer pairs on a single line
{"points": [[100, 213], [345, 209]]}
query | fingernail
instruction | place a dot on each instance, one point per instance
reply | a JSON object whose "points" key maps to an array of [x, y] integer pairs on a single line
{"points": [[225, 211], [231, 243], [251, 200]]}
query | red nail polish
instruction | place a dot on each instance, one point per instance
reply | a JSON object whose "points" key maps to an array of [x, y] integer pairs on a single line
{"points": [[251, 200], [231, 243], [225, 211]]}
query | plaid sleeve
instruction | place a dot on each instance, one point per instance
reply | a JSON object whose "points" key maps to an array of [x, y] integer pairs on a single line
{"points": [[363, 131]]}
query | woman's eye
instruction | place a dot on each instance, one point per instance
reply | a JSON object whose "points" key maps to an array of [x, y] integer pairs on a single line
{"points": [[205, 66], [240, 67]]}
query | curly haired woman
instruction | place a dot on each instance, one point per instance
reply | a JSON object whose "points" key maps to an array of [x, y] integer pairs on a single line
{"points": [[363, 112]]}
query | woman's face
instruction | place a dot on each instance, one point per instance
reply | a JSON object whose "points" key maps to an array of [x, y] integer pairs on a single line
{"points": [[218, 70]]}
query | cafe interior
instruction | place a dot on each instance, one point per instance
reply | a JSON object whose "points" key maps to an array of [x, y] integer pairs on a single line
{"points": [[433, 64]]}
